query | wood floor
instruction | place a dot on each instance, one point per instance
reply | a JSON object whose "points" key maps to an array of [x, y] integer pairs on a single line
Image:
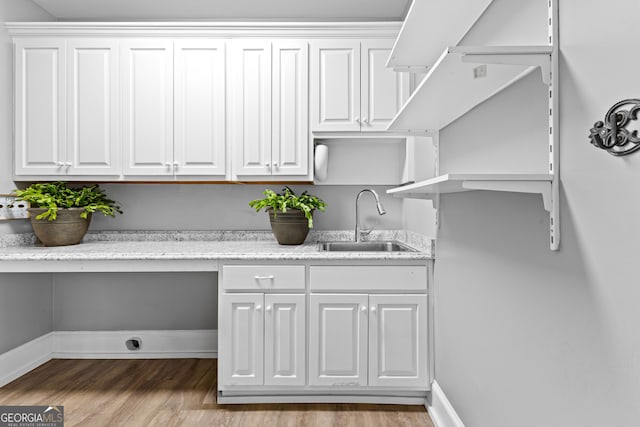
{"points": [[176, 392]]}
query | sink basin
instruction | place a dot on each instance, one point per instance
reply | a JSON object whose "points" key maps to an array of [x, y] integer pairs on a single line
{"points": [[379, 246]]}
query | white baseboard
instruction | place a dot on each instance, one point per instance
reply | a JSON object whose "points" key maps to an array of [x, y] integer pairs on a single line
{"points": [[441, 412], [20, 360], [200, 344]]}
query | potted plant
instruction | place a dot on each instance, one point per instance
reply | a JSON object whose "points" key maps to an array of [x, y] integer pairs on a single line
{"points": [[291, 216], [60, 215]]}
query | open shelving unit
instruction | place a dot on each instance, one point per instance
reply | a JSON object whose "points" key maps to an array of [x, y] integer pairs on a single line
{"points": [[450, 90], [407, 54], [457, 183], [463, 77]]}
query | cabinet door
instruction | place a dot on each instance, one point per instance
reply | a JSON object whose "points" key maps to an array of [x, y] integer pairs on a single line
{"points": [[335, 85], [92, 107], [40, 139], [147, 106], [290, 142], [284, 340], [241, 339], [200, 107], [383, 90], [398, 341], [338, 340], [251, 119]]}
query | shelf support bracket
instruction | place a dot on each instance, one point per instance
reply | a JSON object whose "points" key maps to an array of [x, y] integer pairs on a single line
{"points": [[541, 60], [540, 187], [434, 197], [544, 188]]}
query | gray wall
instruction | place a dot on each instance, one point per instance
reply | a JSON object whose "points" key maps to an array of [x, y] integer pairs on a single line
{"points": [[25, 299], [146, 301], [25, 308], [524, 335], [225, 207]]}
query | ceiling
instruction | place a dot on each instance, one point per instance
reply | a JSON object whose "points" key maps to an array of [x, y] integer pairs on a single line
{"points": [[282, 10]]}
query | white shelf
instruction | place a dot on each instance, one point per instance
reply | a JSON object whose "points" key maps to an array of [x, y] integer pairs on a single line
{"points": [[429, 25], [450, 89], [456, 183]]}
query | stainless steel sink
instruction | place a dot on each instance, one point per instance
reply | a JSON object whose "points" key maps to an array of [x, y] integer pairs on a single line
{"points": [[379, 246]]}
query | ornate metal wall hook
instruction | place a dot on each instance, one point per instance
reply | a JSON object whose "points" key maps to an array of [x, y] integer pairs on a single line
{"points": [[611, 134]]}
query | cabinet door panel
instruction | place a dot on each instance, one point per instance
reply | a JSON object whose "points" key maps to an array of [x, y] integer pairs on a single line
{"points": [[335, 85], [200, 108], [285, 319], [383, 90], [398, 341], [242, 339], [147, 102], [338, 340], [290, 142], [251, 120], [40, 139], [93, 107]]}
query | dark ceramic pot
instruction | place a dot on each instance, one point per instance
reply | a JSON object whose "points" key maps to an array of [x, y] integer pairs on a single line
{"points": [[290, 228], [67, 229]]}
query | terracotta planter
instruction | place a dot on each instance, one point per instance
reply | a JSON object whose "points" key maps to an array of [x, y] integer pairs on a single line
{"points": [[290, 228], [67, 229]]}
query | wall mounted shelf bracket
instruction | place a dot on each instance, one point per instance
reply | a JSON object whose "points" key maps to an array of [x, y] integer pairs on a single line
{"points": [[541, 60]]}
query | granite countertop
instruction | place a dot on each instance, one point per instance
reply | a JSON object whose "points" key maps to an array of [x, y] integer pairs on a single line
{"points": [[205, 245]]}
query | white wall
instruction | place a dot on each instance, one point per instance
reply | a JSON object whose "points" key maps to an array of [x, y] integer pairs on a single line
{"points": [[526, 336]]}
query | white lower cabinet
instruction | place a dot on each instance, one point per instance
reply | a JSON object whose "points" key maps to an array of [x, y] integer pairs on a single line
{"points": [[263, 339], [284, 340], [398, 341], [242, 339], [313, 333], [262, 329], [338, 340], [368, 340]]}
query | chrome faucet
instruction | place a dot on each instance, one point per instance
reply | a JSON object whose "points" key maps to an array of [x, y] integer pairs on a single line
{"points": [[381, 211]]}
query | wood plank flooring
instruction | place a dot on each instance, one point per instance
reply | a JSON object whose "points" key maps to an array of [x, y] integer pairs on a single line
{"points": [[176, 392]]}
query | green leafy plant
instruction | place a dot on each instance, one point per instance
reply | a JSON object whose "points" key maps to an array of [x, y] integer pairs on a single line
{"points": [[57, 195], [287, 199]]}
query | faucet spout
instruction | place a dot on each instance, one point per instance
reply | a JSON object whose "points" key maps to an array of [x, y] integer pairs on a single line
{"points": [[359, 232]]}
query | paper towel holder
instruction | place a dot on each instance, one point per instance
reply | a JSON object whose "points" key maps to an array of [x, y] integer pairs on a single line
{"points": [[321, 162]]}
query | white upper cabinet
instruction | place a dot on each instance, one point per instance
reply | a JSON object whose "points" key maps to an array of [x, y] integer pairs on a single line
{"points": [[147, 106], [351, 88], [174, 107], [383, 91], [199, 107], [66, 107], [40, 116], [269, 108], [290, 130], [335, 85], [92, 107], [251, 120], [194, 102]]}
